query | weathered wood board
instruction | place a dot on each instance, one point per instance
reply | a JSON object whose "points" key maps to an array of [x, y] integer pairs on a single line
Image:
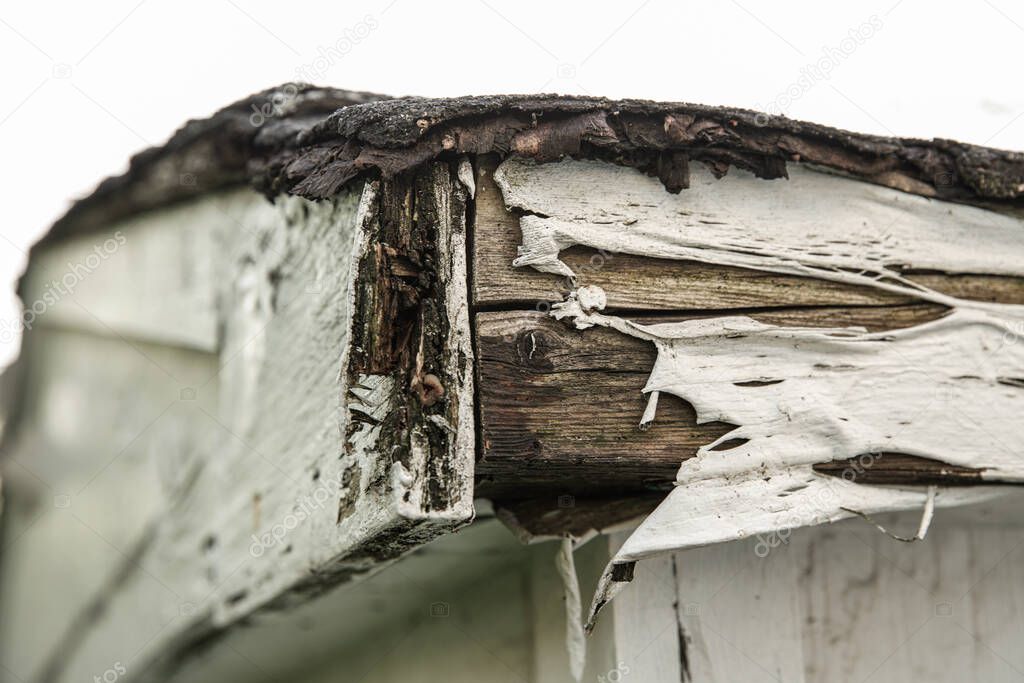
{"points": [[306, 455], [538, 382], [644, 283], [298, 393], [535, 371], [141, 279]]}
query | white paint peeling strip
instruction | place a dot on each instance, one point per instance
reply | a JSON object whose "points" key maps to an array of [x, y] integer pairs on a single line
{"points": [[576, 643], [811, 223], [803, 396], [465, 174], [948, 390]]}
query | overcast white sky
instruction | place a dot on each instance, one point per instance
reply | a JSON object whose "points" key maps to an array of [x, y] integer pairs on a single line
{"points": [[86, 85]]}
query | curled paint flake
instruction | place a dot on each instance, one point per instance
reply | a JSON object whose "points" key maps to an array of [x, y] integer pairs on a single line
{"points": [[800, 396], [931, 390]]}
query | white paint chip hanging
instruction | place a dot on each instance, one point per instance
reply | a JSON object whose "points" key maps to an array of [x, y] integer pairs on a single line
{"points": [[947, 390], [576, 644]]}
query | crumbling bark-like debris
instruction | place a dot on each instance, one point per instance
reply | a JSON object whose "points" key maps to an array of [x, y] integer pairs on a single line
{"points": [[312, 141], [658, 138]]}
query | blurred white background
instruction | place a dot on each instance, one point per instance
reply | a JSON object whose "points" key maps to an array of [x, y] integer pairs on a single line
{"points": [[86, 85]]}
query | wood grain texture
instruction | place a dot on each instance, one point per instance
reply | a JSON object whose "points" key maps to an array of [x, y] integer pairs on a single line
{"points": [[535, 373], [643, 283], [552, 517], [535, 376]]}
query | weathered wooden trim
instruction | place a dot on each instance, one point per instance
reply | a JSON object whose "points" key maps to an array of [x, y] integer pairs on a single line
{"points": [[106, 281], [389, 344], [825, 393], [412, 330], [802, 226], [649, 641], [393, 462], [534, 371], [640, 282], [282, 139]]}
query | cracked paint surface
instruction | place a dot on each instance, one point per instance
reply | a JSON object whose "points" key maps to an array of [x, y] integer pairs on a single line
{"points": [[949, 390], [802, 396]]}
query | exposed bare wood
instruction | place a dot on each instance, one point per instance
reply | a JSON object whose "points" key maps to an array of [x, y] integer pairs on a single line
{"points": [[342, 355], [535, 371], [546, 518], [836, 393], [644, 283]]}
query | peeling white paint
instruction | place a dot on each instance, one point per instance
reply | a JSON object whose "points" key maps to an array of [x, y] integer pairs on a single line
{"points": [[802, 396], [806, 225], [576, 643], [465, 175], [949, 390]]}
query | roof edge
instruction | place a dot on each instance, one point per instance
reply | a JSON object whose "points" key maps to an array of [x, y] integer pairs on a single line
{"points": [[310, 141], [206, 154]]}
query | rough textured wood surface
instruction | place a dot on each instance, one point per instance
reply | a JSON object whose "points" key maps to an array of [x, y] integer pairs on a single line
{"points": [[795, 395], [535, 373], [299, 146], [396, 449], [644, 283], [312, 456], [537, 379]]}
